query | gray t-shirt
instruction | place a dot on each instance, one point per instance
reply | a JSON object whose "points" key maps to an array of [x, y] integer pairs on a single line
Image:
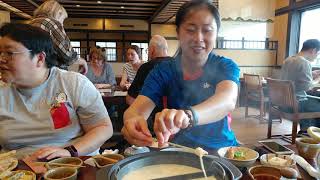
{"points": [[298, 70], [107, 75], [50, 114]]}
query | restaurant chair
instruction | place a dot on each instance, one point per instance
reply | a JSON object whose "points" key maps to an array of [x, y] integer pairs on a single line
{"points": [[254, 92], [282, 101]]}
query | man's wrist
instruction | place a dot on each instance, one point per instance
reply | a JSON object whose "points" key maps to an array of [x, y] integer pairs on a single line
{"points": [[72, 150]]}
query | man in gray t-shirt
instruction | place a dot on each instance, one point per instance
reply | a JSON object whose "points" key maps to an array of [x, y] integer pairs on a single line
{"points": [[299, 70], [46, 111]]}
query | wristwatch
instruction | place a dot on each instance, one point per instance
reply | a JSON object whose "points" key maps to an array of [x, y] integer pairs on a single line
{"points": [[72, 150]]}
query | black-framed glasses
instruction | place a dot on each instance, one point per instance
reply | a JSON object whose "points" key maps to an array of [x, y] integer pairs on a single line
{"points": [[8, 54]]}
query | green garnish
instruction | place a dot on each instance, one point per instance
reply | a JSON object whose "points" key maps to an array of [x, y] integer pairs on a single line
{"points": [[238, 154]]}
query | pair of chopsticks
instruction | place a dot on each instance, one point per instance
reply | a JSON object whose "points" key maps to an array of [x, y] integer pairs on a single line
{"points": [[60, 164], [183, 147], [106, 158], [178, 145]]}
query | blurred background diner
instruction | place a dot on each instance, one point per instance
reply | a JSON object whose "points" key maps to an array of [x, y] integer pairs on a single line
{"points": [[134, 58], [100, 72]]}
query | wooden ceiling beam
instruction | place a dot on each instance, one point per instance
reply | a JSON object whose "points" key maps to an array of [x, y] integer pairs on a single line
{"points": [[109, 7], [158, 11]]}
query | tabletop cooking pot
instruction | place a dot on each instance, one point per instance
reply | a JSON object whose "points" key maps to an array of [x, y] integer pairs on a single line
{"points": [[216, 166]]}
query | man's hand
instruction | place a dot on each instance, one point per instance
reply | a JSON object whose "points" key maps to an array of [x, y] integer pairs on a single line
{"points": [[50, 153], [169, 122], [136, 132]]}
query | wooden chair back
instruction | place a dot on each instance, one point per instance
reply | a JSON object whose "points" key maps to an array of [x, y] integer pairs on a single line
{"points": [[282, 94], [252, 83]]}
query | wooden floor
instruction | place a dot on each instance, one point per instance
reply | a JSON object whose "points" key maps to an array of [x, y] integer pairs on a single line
{"points": [[250, 130]]}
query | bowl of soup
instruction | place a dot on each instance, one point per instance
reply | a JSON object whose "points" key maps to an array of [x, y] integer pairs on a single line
{"points": [[308, 148], [239, 156], [63, 173], [264, 173]]}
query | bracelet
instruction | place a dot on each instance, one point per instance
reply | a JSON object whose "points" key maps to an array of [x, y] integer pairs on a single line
{"points": [[72, 150], [195, 116], [190, 118]]}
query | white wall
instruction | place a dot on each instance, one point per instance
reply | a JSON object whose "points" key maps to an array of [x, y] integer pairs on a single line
{"points": [[4, 17]]}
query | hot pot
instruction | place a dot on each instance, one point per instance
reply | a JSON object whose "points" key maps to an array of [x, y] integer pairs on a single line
{"points": [[214, 165]]}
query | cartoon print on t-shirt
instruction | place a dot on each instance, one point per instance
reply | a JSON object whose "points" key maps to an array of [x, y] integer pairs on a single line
{"points": [[59, 111]]}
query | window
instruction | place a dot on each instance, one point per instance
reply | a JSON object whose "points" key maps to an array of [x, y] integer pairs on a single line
{"points": [[243, 35], [308, 29], [111, 50], [76, 46], [144, 50]]}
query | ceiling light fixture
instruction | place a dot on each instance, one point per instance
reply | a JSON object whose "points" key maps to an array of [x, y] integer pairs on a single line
{"points": [[122, 7], [78, 5], [99, 2]]}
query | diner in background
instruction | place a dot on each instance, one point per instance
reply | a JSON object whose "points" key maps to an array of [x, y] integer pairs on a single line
{"points": [[129, 70], [46, 111], [298, 69], [50, 16], [201, 88], [100, 72], [157, 51]]}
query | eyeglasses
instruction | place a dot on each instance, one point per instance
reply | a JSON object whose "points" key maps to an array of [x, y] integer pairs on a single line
{"points": [[6, 55]]}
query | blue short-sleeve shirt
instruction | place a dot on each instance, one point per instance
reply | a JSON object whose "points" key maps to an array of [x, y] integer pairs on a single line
{"points": [[166, 79]]}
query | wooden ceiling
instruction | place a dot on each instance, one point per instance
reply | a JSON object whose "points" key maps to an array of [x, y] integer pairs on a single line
{"points": [[154, 11]]}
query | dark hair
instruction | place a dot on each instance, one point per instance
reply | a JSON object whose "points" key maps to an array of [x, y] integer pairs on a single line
{"points": [[33, 38], [311, 44], [136, 49], [188, 6]]}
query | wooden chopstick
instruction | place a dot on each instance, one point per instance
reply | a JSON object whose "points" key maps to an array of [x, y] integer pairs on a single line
{"points": [[183, 147], [59, 164], [106, 158]]}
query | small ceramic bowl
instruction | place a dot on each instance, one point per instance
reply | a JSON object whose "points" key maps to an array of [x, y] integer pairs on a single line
{"points": [[13, 165], [107, 159], [27, 175], [63, 173], [272, 160], [264, 173], [308, 148], [250, 156], [64, 160]]}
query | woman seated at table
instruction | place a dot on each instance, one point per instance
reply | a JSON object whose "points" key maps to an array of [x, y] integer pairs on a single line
{"points": [[131, 67], [100, 72], [201, 88], [46, 111]]}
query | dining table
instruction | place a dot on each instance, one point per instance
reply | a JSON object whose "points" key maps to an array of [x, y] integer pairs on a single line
{"points": [[115, 101], [92, 173]]}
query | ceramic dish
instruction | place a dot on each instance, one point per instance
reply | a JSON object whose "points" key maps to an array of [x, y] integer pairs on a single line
{"points": [[64, 160], [62, 173], [9, 164], [277, 160], [250, 156], [21, 174], [308, 148], [106, 159], [264, 173]]}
